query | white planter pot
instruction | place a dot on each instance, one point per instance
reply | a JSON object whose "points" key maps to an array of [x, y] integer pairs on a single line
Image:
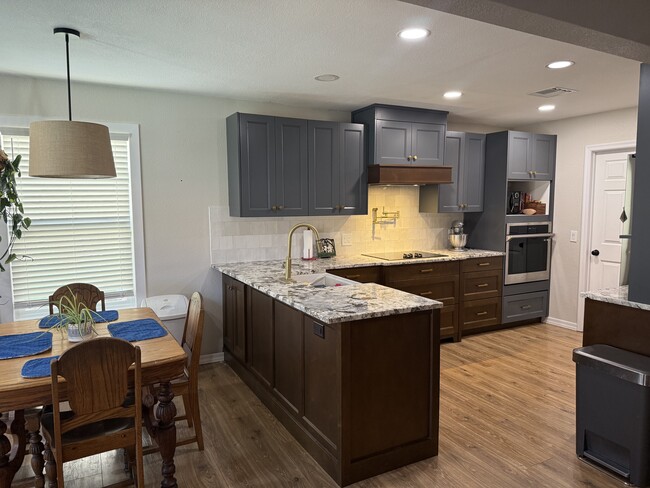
{"points": [[78, 333]]}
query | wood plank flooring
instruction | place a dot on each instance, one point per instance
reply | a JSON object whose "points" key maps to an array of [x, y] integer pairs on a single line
{"points": [[507, 419]]}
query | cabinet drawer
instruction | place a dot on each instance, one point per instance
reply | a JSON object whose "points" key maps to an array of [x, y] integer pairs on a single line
{"points": [[481, 284], [476, 314], [441, 288], [369, 274], [525, 306], [419, 271], [481, 264], [448, 322]]}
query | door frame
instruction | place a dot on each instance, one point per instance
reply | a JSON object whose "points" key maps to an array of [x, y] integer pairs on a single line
{"points": [[587, 214]]}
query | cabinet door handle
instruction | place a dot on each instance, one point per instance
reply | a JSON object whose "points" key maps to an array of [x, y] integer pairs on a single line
{"points": [[428, 270], [483, 264], [481, 313], [482, 285], [415, 158], [526, 307], [426, 293], [351, 277]]}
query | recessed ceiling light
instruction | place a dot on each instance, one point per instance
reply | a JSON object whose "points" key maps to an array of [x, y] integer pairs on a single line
{"points": [[326, 77], [414, 33], [546, 108], [451, 95], [560, 64]]}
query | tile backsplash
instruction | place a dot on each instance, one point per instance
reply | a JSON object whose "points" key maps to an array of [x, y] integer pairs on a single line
{"points": [[234, 239]]}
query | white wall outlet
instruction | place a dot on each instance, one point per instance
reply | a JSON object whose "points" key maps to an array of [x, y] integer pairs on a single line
{"points": [[346, 239], [574, 236]]}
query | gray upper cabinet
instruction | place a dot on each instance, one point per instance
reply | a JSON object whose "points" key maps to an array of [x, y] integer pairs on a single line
{"points": [[337, 169], [291, 173], [403, 135], [465, 153], [267, 173], [531, 156], [291, 167]]}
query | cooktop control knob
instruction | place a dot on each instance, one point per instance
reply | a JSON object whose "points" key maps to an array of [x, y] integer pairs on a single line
{"points": [[407, 255], [417, 255]]}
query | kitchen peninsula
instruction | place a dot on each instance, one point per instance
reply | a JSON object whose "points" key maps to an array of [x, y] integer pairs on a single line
{"points": [[611, 319], [352, 371]]}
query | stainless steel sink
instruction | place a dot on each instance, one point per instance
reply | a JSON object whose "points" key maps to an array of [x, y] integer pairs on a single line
{"points": [[322, 280]]}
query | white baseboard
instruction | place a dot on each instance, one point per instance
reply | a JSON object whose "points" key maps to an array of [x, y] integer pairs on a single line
{"points": [[216, 357], [565, 324]]}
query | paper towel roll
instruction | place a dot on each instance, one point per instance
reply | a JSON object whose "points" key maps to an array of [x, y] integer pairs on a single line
{"points": [[307, 244]]}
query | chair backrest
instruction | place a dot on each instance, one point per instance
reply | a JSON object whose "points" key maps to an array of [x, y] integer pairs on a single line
{"points": [[97, 382], [193, 333], [86, 293]]}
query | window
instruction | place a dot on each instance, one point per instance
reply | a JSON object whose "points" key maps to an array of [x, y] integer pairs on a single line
{"points": [[82, 230]]}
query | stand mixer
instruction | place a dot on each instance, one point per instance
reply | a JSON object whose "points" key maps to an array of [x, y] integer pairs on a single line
{"points": [[457, 236]]}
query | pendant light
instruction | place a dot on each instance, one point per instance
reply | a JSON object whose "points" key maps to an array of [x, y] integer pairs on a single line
{"points": [[67, 148]]}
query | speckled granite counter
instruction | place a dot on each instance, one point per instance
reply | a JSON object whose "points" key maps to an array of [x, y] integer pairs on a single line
{"points": [[617, 296], [343, 303], [331, 304]]}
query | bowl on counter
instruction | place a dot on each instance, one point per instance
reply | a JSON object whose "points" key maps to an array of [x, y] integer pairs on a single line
{"points": [[458, 241]]}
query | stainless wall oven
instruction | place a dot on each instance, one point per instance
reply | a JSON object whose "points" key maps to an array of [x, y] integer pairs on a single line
{"points": [[528, 252]]}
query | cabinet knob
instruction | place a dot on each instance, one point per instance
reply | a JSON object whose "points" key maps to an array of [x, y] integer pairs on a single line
{"points": [[280, 207], [415, 158], [408, 158], [274, 208], [534, 173]]}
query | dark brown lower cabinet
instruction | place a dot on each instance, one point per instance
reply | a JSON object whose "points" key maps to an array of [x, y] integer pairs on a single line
{"points": [[234, 318], [361, 397]]}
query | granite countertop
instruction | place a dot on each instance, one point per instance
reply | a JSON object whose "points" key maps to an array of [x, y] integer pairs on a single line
{"points": [[617, 296], [342, 303]]}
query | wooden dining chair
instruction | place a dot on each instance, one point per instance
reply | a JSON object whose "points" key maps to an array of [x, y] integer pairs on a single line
{"points": [[86, 293], [188, 385], [103, 414]]}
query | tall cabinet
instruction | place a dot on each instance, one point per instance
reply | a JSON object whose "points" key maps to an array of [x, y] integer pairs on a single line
{"points": [[522, 162]]}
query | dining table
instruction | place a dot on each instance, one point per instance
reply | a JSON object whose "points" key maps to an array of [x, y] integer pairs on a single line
{"points": [[163, 360]]}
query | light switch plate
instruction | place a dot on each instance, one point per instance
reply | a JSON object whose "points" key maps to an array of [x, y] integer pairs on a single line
{"points": [[574, 236], [346, 239]]}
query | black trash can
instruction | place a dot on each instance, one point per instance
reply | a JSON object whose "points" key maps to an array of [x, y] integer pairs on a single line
{"points": [[613, 410]]}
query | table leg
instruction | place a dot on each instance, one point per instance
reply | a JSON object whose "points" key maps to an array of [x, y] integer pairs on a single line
{"points": [[36, 448], [5, 447], [50, 467], [166, 433]]}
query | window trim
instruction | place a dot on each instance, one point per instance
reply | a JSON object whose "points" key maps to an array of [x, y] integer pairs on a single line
{"points": [[132, 131]]}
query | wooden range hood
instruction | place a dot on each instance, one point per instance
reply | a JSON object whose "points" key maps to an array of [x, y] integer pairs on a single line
{"points": [[408, 174]]}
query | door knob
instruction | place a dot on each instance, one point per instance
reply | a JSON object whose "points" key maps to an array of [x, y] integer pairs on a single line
{"points": [[595, 252]]}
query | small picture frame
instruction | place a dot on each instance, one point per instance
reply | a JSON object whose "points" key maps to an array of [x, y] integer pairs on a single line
{"points": [[325, 248]]}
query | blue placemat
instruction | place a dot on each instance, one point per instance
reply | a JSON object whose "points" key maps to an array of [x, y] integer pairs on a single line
{"points": [[50, 321], [99, 317], [137, 330], [105, 316], [21, 345], [37, 368]]}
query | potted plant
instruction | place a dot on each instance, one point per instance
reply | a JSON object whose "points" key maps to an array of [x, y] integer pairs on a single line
{"points": [[11, 208], [75, 317]]}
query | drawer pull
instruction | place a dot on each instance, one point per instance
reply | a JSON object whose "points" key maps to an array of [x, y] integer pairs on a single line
{"points": [[483, 264], [526, 307], [426, 293], [351, 277], [428, 270], [482, 285], [481, 313]]}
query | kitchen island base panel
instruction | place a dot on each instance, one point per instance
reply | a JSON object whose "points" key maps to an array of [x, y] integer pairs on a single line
{"points": [[616, 325], [382, 412]]}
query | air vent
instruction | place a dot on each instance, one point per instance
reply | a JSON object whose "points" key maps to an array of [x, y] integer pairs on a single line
{"points": [[552, 92]]}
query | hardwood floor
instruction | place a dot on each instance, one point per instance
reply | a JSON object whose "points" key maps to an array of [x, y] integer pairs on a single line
{"points": [[507, 419]]}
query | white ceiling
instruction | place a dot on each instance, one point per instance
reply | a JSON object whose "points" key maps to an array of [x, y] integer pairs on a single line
{"points": [[271, 50]]}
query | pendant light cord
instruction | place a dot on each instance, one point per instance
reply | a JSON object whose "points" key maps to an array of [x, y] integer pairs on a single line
{"points": [[67, 63]]}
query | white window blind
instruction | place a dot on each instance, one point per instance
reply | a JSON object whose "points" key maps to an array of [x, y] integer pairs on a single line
{"points": [[81, 230]]}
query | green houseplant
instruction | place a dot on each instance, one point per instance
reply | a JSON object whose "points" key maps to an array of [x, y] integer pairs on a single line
{"points": [[75, 317], [11, 208]]}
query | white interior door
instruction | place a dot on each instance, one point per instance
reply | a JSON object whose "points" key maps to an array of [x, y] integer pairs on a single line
{"points": [[608, 202]]}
